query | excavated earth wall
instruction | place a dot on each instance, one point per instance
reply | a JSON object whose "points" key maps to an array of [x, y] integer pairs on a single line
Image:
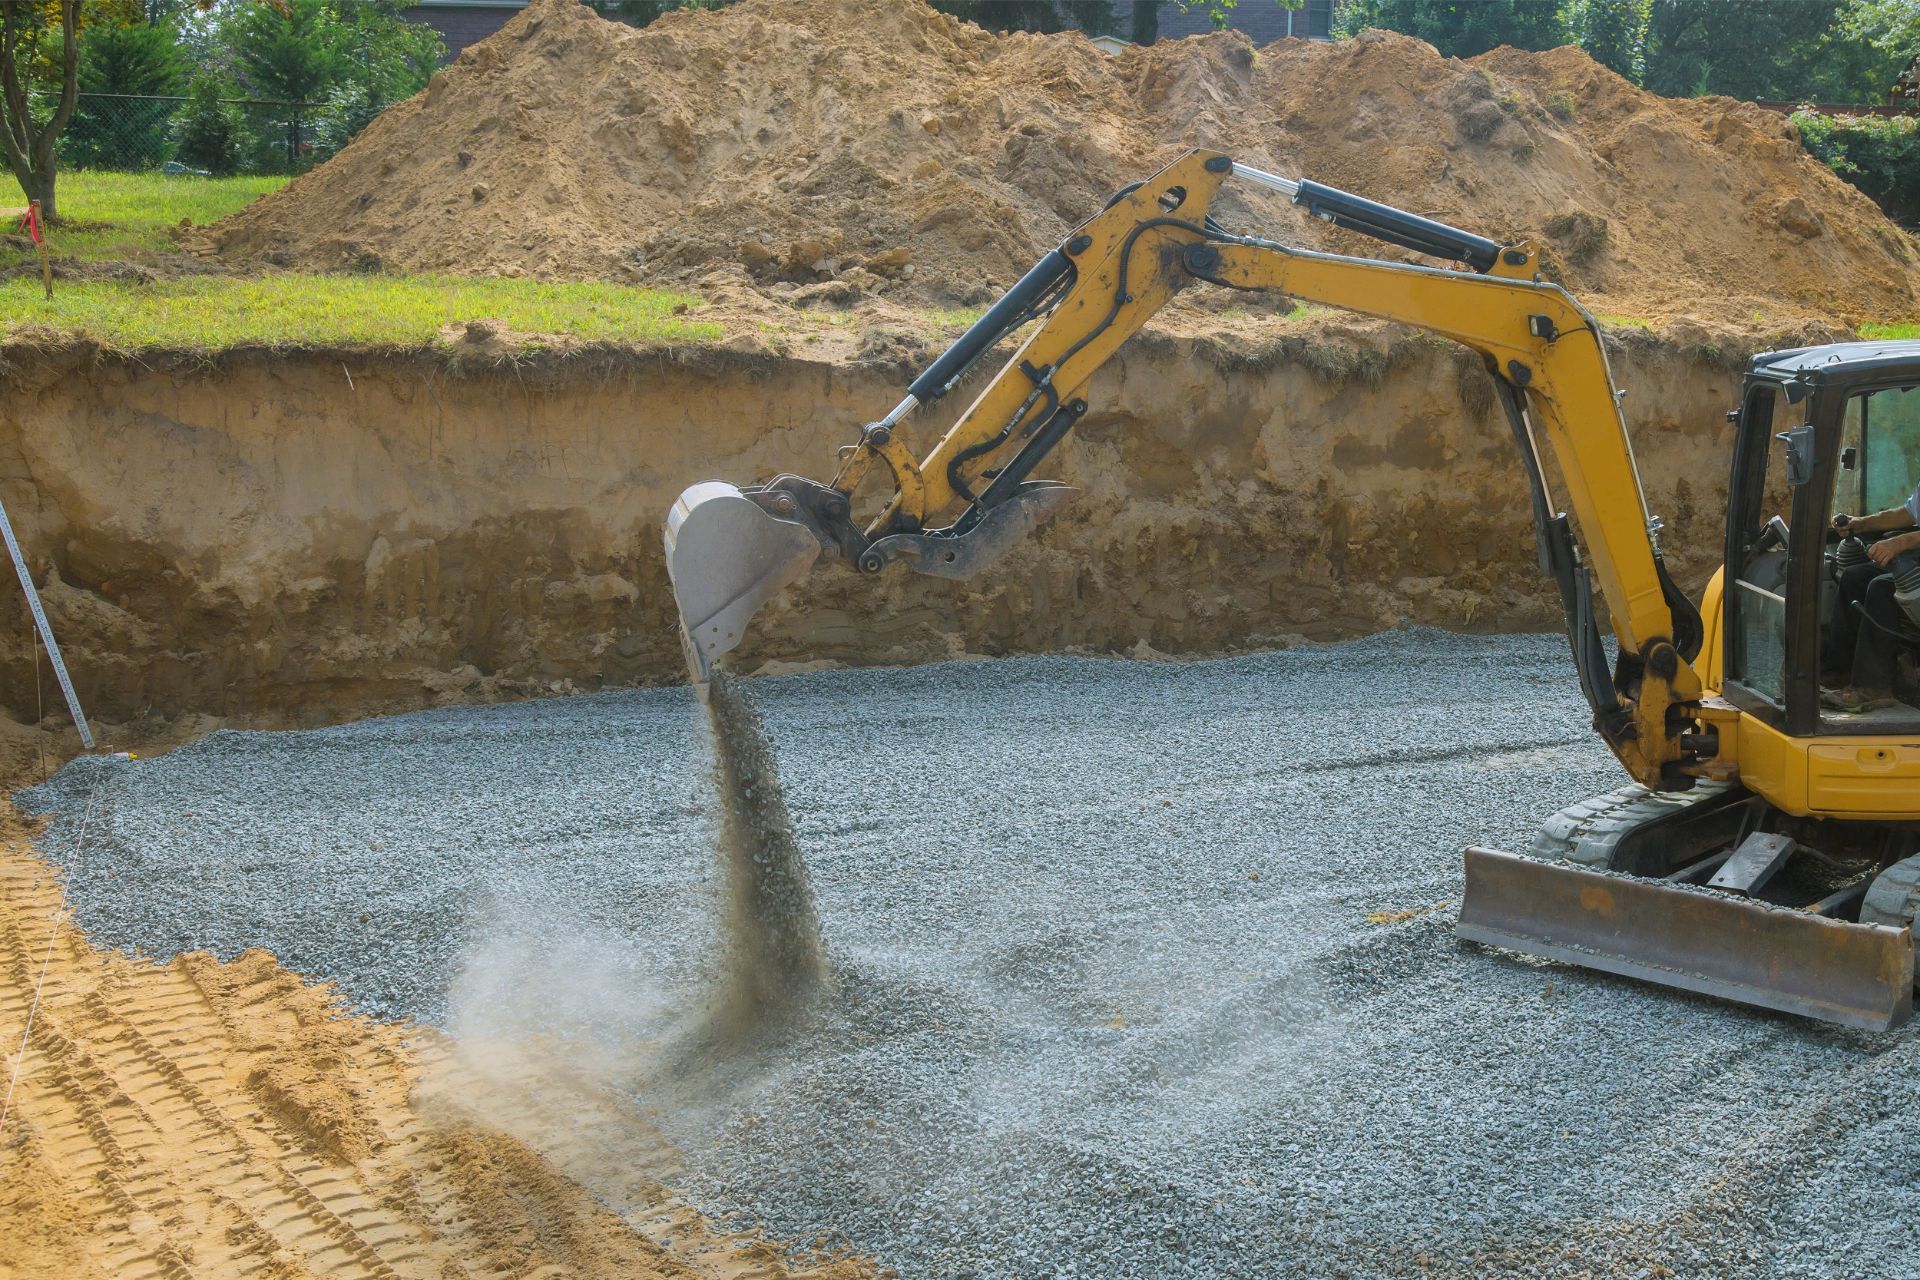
{"points": [[279, 538]]}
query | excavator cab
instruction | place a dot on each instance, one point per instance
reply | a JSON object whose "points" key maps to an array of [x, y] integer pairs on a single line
{"points": [[1823, 431], [1789, 876]]}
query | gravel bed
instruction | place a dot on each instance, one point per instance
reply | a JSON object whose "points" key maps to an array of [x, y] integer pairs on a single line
{"points": [[1108, 1001]]}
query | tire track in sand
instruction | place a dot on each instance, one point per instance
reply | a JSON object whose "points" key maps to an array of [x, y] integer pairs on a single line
{"points": [[201, 1119]]}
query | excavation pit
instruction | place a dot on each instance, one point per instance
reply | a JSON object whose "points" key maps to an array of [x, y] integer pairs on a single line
{"points": [[1142, 968]]}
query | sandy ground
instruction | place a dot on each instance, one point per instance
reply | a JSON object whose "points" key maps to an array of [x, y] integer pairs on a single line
{"points": [[200, 1119]]}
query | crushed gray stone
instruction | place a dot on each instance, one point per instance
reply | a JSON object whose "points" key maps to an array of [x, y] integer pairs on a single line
{"points": [[1105, 999]]}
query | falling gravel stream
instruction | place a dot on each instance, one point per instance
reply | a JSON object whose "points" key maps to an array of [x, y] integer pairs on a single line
{"points": [[1140, 968], [773, 933]]}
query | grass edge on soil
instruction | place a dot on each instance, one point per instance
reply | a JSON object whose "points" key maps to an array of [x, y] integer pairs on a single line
{"points": [[121, 223], [208, 313]]}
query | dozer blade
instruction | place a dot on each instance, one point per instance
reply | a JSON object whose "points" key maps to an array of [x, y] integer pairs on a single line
{"points": [[1858, 975], [726, 558]]}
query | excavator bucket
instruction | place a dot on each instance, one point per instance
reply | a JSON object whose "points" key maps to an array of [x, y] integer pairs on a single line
{"points": [[1721, 944], [726, 557]]}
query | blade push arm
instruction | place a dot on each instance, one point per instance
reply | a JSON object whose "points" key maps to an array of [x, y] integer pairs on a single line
{"points": [[1121, 266]]}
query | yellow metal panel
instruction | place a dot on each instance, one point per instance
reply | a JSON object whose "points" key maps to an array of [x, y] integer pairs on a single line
{"points": [[1772, 765], [1712, 612], [1864, 777], [1870, 779]]}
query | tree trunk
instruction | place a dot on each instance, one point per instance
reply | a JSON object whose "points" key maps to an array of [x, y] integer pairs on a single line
{"points": [[29, 151], [40, 186]]}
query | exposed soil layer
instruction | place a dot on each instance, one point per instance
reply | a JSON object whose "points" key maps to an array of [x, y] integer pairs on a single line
{"points": [[226, 1120], [846, 147], [300, 538]]}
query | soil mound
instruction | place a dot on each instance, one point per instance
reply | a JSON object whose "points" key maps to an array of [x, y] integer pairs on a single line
{"points": [[880, 146]]}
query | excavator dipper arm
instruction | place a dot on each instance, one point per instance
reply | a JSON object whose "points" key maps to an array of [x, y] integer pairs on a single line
{"points": [[1095, 291]]}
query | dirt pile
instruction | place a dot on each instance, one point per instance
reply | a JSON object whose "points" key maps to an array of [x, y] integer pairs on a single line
{"points": [[848, 147], [772, 925]]}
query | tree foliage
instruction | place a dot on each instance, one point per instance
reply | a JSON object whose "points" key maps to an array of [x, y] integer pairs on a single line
{"points": [[123, 60], [1891, 26], [336, 62], [1878, 154], [1613, 32], [1784, 50], [290, 50], [1460, 28], [1775, 50]]}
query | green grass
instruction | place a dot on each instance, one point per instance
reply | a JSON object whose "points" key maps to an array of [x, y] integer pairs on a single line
{"points": [[214, 312], [1881, 332], [127, 215]]}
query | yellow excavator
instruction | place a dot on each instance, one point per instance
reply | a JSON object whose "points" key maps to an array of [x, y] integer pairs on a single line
{"points": [[1768, 848]]}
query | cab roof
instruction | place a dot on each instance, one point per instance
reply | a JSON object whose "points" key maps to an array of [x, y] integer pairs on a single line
{"points": [[1838, 359]]}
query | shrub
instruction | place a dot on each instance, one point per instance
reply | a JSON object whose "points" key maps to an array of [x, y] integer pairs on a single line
{"points": [[1878, 154], [208, 133]]}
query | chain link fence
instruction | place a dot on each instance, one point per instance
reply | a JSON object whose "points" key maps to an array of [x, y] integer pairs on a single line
{"points": [[141, 132]]}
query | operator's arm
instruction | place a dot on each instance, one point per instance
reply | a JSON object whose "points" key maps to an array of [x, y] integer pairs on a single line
{"points": [[1902, 517], [1879, 522]]}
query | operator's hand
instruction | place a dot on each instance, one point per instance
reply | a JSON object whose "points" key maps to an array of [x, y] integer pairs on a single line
{"points": [[1883, 551], [1843, 525]]}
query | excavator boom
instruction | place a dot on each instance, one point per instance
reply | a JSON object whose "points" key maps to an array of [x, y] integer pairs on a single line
{"points": [[954, 511]]}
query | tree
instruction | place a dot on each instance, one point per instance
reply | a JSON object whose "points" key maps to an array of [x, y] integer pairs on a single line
{"points": [[208, 134], [291, 52], [26, 31], [1772, 50], [123, 60], [1613, 32], [1461, 28], [354, 56], [1891, 26], [392, 59]]}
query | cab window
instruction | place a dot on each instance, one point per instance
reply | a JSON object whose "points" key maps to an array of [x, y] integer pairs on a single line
{"points": [[1757, 605], [1888, 422]]}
